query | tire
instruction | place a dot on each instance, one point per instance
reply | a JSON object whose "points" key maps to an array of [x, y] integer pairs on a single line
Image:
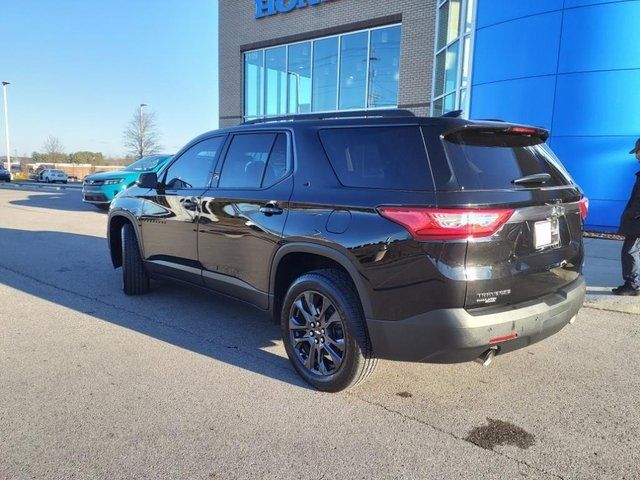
{"points": [[357, 361], [135, 280]]}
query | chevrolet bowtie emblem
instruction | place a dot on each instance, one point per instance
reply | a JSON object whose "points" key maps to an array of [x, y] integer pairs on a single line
{"points": [[557, 210]]}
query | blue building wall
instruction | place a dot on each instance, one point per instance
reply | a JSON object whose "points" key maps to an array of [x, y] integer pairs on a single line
{"points": [[573, 67]]}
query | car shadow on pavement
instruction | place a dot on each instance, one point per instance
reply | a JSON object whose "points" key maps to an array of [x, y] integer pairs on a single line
{"points": [[65, 201], [74, 271]]}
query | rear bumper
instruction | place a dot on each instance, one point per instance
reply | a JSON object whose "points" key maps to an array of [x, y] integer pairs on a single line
{"points": [[458, 335]]}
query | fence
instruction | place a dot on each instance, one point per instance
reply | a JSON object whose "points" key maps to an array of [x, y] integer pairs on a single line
{"points": [[77, 170]]}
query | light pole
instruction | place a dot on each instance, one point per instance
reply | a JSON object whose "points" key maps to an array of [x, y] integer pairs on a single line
{"points": [[6, 123], [141, 139]]}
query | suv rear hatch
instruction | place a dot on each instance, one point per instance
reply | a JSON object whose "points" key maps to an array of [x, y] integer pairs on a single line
{"points": [[534, 247]]}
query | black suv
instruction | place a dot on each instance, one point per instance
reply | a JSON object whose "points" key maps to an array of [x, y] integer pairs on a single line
{"points": [[367, 235]]}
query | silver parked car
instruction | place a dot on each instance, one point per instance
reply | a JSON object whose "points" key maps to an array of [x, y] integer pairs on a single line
{"points": [[52, 176]]}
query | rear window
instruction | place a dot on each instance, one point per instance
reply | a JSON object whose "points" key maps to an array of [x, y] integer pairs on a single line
{"points": [[488, 160], [378, 157]]}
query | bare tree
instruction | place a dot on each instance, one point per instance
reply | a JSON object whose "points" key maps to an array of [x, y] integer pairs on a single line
{"points": [[52, 146], [53, 150], [141, 136]]}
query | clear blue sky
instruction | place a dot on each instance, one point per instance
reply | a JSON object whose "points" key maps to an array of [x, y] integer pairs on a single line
{"points": [[80, 68]]}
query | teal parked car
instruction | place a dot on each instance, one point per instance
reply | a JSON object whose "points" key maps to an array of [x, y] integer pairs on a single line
{"points": [[101, 188]]}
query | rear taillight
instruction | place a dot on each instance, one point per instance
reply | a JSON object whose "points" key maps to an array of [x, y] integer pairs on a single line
{"points": [[448, 223], [584, 208]]}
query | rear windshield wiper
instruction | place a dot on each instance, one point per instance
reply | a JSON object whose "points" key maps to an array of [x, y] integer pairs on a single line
{"points": [[535, 179]]}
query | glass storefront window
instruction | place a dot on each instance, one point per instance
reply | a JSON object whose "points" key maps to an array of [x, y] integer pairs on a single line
{"points": [[437, 107], [452, 64], [358, 70], [451, 68], [325, 74], [384, 67], [466, 62], [299, 73], [438, 88], [353, 70], [253, 72], [443, 24], [275, 84], [453, 27], [449, 103], [468, 22]]}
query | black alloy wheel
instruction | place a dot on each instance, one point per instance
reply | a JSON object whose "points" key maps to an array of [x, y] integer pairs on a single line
{"points": [[324, 331], [316, 332]]}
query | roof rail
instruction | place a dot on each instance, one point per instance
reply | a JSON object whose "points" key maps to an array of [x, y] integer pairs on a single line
{"points": [[387, 113], [453, 114]]}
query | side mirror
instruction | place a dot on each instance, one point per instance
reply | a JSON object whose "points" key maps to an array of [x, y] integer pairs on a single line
{"points": [[148, 180]]}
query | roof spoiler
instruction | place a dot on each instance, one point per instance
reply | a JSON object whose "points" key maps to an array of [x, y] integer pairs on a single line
{"points": [[541, 133]]}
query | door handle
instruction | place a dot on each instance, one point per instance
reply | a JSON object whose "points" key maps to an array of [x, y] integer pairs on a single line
{"points": [[190, 204], [271, 208]]}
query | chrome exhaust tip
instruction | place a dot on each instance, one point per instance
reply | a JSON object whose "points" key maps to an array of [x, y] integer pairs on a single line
{"points": [[487, 357], [573, 319]]}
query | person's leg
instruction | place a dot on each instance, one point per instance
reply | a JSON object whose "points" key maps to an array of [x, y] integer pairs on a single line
{"points": [[630, 257]]}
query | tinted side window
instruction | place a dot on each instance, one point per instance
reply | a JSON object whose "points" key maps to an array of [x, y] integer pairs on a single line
{"points": [[378, 157], [279, 163], [193, 168], [246, 160]]}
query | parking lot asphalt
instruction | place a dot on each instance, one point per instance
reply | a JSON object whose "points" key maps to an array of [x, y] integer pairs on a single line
{"points": [[182, 383]]}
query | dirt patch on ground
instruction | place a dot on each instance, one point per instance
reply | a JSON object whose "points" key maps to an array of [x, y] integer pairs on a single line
{"points": [[404, 394], [498, 432]]}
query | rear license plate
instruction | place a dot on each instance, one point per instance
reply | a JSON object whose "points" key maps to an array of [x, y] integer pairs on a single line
{"points": [[546, 233]]}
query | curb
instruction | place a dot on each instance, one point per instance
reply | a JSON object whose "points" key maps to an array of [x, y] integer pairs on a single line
{"points": [[601, 298], [45, 185]]}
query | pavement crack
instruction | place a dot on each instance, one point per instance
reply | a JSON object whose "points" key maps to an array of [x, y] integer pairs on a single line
{"points": [[451, 434]]}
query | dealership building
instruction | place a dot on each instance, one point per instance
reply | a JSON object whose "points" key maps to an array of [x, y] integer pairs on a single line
{"points": [[571, 66]]}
